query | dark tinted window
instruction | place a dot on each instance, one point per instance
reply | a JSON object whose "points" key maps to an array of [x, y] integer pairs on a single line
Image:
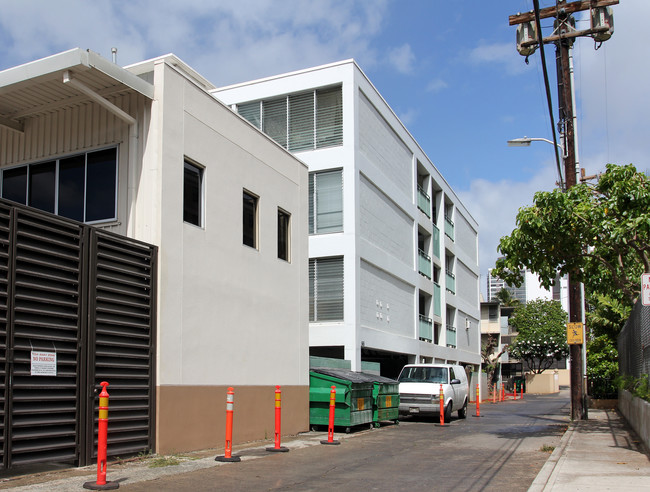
{"points": [[100, 185], [14, 184], [42, 178], [72, 178], [250, 217], [283, 235], [192, 194]]}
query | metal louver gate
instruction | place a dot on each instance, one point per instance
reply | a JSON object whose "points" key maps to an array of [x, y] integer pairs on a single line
{"points": [[77, 306], [122, 309], [44, 318], [5, 221]]}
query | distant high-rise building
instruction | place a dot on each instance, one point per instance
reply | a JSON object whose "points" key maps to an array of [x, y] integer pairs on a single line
{"points": [[529, 290]]}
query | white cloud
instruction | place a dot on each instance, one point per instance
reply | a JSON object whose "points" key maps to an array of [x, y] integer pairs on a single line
{"points": [[436, 85], [226, 41], [407, 117], [612, 105], [494, 204], [499, 54], [612, 93], [402, 58]]}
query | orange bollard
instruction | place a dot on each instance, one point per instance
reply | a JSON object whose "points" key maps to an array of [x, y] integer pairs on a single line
{"points": [[102, 442], [522, 391], [330, 427], [501, 393], [278, 417], [478, 401], [230, 405], [494, 393], [442, 406]]}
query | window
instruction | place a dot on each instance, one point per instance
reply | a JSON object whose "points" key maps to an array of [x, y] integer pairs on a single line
{"points": [[326, 289], [250, 220], [192, 194], [82, 187], [304, 121], [274, 120], [283, 234], [326, 202]]}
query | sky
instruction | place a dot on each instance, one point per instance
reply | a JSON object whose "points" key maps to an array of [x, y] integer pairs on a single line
{"points": [[449, 70]]}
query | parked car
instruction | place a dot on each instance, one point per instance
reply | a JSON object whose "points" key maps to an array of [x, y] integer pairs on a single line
{"points": [[419, 390]]}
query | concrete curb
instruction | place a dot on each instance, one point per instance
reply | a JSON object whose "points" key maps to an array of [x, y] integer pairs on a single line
{"points": [[547, 475]]}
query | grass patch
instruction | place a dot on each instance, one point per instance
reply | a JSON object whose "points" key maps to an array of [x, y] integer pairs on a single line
{"points": [[547, 449], [163, 461]]}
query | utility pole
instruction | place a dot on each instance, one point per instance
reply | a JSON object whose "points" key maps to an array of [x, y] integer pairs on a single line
{"points": [[563, 36]]}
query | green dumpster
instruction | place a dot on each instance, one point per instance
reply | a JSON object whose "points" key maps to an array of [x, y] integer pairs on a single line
{"points": [[519, 384], [353, 398], [385, 399]]}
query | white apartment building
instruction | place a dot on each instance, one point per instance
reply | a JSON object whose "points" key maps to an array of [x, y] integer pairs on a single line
{"points": [[148, 152], [393, 252], [529, 290]]}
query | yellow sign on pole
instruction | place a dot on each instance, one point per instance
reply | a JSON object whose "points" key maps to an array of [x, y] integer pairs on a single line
{"points": [[574, 333]]}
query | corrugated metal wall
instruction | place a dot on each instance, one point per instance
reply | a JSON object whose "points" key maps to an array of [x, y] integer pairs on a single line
{"points": [[88, 297], [66, 130]]}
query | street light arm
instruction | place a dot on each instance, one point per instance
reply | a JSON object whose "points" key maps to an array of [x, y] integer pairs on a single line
{"points": [[525, 142]]}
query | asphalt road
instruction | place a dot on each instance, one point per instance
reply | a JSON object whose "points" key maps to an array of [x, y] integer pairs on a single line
{"points": [[500, 450]]}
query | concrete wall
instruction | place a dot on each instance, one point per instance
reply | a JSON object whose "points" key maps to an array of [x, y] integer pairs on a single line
{"points": [[545, 383], [637, 413]]}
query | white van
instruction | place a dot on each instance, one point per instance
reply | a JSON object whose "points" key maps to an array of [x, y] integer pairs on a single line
{"points": [[419, 389]]}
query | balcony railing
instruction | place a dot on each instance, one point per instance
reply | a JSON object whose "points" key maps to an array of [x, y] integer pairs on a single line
{"points": [[424, 263], [426, 329], [424, 202], [436, 241], [451, 336], [437, 307], [450, 285], [449, 228]]}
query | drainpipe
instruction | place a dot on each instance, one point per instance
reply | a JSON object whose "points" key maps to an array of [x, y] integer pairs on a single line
{"points": [[133, 141]]}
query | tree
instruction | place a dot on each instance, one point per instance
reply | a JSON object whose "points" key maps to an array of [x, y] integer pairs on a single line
{"points": [[505, 297], [602, 367], [490, 359], [541, 338], [600, 233], [606, 316]]}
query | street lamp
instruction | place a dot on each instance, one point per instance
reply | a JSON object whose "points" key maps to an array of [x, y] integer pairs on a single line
{"points": [[525, 142]]}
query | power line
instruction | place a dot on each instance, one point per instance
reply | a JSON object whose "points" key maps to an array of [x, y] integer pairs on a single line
{"points": [[548, 92]]}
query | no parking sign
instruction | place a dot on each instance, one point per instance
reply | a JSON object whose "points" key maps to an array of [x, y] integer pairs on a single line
{"points": [[645, 289]]}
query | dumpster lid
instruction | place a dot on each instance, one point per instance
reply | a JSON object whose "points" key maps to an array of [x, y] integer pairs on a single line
{"points": [[355, 377]]}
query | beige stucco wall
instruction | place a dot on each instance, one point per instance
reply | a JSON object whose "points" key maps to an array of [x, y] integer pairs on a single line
{"points": [[544, 383], [228, 314]]}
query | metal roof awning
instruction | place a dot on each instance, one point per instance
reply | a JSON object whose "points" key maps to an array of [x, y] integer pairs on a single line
{"points": [[37, 87]]}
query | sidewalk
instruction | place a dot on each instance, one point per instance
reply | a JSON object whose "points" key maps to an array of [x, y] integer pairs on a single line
{"points": [[600, 453]]}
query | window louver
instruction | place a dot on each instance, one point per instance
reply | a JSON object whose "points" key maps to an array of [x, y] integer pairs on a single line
{"points": [[301, 122], [326, 202], [274, 120], [326, 289], [329, 117], [306, 121], [252, 112]]}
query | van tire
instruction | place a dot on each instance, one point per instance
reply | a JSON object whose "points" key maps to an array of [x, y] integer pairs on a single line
{"points": [[448, 412], [462, 413]]}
